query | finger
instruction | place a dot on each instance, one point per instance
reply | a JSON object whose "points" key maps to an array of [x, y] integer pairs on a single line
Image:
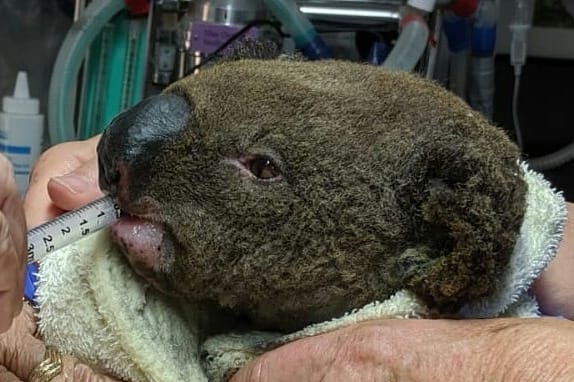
{"points": [[77, 188], [12, 246], [7, 376], [57, 161], [20, 351], [313, 358], [10, 285], [11, 206]]}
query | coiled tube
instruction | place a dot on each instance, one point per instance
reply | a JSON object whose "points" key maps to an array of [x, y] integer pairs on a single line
{"points": [[61, 100]]}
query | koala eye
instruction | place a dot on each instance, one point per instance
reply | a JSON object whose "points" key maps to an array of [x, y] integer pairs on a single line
{"points": [[263, 167]]}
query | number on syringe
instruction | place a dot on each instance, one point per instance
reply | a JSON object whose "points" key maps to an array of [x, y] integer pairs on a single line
{"points": [[85, 231], [65, 230], [47, 239]]}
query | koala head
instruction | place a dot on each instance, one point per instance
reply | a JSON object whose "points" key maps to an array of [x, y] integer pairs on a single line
{"points": [[291, 192]]}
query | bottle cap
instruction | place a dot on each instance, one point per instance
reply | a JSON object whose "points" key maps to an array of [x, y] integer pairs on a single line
{"points": [[20, 102]]}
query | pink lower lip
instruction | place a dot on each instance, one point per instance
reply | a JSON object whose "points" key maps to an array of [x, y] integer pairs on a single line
{"points": [[141, 241]]}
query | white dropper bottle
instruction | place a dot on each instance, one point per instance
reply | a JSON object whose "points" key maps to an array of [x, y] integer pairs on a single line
{"points": [[21, 130]]}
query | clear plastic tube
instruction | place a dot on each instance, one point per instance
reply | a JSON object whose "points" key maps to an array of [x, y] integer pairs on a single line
{"points": [[482, 65], [519, 26], [410, 46], [61, 101], [481, 85], [515, 118]]}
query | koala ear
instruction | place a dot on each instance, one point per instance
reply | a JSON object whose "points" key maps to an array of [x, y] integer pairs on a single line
{"points": [[245, 48], [241, 49], [250, 48], [260, 50]]}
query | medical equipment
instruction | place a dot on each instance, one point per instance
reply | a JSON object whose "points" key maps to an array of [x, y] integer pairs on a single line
{"points": [[70, 227], [457, 31], [117, 81], [519, 26], [114, 55], [21, 130], [302, 31], [481, 73], [208, 27], [63, 230]]}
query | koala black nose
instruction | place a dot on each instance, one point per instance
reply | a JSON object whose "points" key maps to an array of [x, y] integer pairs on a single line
{"points": [[133, 139]]}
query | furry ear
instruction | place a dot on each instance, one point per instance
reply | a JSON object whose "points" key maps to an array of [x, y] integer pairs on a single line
{"points": [[255, 49], [245, 48]]}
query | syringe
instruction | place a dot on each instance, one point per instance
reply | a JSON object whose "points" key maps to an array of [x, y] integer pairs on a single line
{"points": [[70, 227]]}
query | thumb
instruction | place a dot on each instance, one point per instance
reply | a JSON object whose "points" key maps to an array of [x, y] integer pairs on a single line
{"points": [[8, 376], [65, 158], [20, 351], [76, 188]]}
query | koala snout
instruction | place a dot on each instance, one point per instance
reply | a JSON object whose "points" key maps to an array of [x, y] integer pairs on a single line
{"points": [[130, 143]]}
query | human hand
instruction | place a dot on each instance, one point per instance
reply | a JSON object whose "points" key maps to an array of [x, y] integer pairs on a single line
{"points": [[425, 350], [21, 352], [554, 289], [12, 246], [65, 177]]}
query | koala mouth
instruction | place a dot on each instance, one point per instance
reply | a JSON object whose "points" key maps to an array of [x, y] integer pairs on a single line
{"points": [[145, 243]]}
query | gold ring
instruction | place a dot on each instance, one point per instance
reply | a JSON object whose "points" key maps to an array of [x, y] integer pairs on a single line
{"points": [[49, 368]]}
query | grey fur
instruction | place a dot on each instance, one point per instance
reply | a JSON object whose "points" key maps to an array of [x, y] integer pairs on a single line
{"points": [[385, 181]]}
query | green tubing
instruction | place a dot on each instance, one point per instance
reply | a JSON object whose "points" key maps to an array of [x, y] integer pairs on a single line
{"points": [[114, 73], [61, 100], [298, 25]]}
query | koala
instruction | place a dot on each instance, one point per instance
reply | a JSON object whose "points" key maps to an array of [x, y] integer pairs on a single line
{"points": [[285, 193], [267, 200]]}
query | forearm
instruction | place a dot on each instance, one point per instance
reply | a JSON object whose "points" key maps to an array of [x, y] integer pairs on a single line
{"points": [[426, 350], [477, 350]]}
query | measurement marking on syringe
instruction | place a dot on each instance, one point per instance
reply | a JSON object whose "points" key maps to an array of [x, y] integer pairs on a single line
{"points": [[71, 227]]}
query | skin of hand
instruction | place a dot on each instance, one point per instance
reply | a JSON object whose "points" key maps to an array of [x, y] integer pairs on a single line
{"points": [[12, 246], [64, 177], [21, 351], [505, 349], [424, 350], [555, 289]]}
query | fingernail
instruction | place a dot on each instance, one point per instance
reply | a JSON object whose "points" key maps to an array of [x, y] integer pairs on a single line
{"points": [[76, 184]]}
